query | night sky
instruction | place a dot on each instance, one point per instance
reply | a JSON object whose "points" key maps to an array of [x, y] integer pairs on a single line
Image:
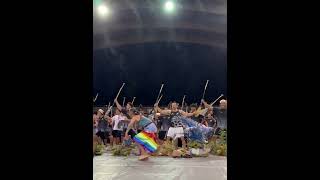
{"points": [[182, 67]]}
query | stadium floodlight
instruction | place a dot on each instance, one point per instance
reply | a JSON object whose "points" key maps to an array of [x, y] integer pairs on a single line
{"points": [[169, 6], [103, 10]]}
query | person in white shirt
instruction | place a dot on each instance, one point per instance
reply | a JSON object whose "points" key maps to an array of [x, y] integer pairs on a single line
{"points": [[117, 126]]}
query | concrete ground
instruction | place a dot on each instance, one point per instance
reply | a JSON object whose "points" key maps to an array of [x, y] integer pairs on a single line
{"points": [[108, 167]]}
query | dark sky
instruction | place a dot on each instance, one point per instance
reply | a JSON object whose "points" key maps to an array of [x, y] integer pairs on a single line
{"points": [[182, 67]]}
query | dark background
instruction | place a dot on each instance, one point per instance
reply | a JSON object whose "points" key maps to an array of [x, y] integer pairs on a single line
{"points": [[143, 46], [47, 69], [182, 67]]}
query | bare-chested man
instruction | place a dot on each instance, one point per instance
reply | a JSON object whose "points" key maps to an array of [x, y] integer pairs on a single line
{"points": [[175, 132]]}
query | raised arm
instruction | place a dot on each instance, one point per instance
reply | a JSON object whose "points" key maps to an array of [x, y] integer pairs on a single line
{"points": [[109, 120], [106, 116], [205, 103], [112, 121], [118, 105]]}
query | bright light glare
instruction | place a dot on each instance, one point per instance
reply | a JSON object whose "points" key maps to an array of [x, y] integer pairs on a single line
{"points": [[103, 10], [169, 6]]}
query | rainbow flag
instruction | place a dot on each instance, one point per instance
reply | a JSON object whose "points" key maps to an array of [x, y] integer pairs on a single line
{"points": [[146, 140]]}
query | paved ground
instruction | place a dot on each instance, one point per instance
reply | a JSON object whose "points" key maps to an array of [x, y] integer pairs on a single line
{"points": [[108, 167]]}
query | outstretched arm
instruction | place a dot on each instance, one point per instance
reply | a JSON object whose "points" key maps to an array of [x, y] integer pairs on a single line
{"points": [[126, 119], [186, 114], [164, 112]]}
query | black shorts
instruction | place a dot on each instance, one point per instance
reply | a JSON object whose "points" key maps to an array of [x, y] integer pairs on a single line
{"points": [[103, 135], [162, 135], [132, 133], [116, 133]]}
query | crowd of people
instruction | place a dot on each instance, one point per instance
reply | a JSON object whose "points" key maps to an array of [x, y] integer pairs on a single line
{"points": [[150, 129]]}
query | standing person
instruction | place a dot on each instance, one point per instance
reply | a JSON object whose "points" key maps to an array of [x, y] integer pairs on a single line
{"points": [[193, 109], [109, 128], [95, 122], [203, 120], [146, 138], [197, 118], [100, 113], [220, 114], [175, 131], [212, 122], [96, 139], [124, 110], [99, 125], [104, 131], [125, 124], [117, 131], [95, 143], [164, 125]]}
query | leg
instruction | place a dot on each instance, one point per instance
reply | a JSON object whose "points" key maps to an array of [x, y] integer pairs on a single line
{"points": [[98, 135], [175, 143], [104, 138], [120, 137], [170, 136], [186, 141], [118, 134], [105, 141], [143, 154], [160, 142], [179, 142], [183, 142], [111, 140], [98, 139], [95, 143], [180, 135], [114, 138]]}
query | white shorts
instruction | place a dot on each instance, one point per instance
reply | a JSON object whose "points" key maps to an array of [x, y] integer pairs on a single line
{"points": [[175, 132]]}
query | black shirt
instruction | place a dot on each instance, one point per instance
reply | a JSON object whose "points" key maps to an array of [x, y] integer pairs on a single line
{"points": [[198, 119], [175, 119], [103, 125], [164, 123], [221, 117], [211, 121]]}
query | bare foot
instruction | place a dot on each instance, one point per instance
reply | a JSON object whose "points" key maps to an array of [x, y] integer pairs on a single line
{"points": [[144, 157]]}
